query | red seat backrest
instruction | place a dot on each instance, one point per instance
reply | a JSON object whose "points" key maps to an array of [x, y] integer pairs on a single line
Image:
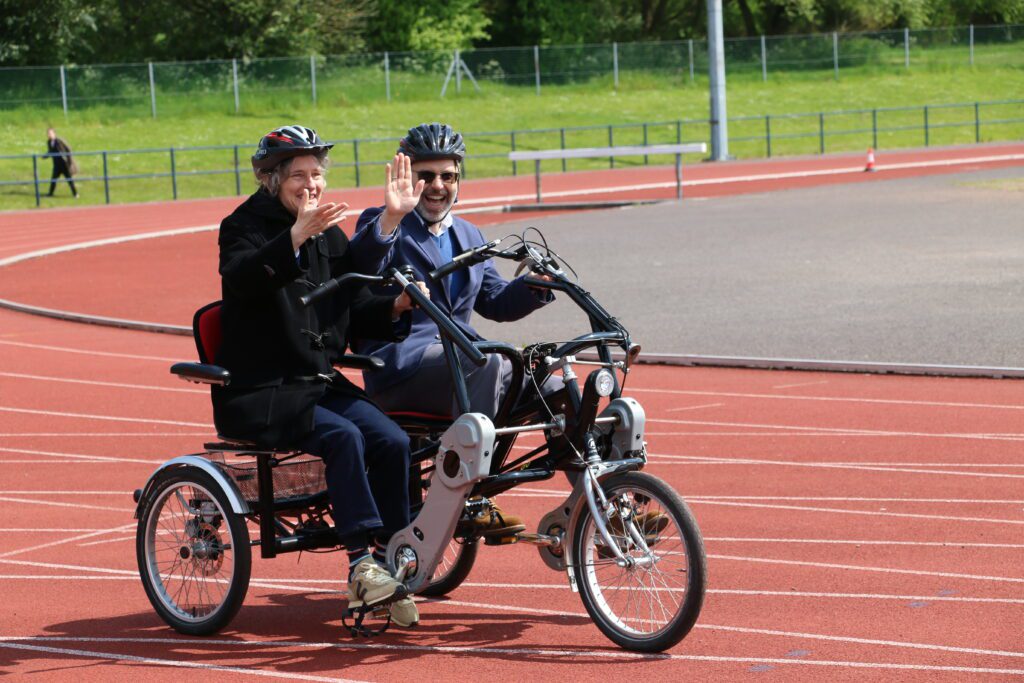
{"points": [[206, 331]]}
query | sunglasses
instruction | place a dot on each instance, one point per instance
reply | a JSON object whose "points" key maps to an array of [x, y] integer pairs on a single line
{"points": [[447, 177]]}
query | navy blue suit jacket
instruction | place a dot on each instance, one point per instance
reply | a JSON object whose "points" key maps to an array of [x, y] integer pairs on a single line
{"points": [[486, 292]]}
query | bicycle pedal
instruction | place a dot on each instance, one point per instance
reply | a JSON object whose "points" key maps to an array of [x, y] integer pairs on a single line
{"points": [[508, 539]]}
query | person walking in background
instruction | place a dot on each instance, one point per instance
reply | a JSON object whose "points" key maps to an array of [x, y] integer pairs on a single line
{"points": [[63, 163]]}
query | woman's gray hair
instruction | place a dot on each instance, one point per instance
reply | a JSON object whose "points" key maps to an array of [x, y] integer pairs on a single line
{"points": [[271, 180]]}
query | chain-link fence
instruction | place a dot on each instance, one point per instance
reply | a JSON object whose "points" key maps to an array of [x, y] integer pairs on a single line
{"points": [[229, 85], [195, 172]]}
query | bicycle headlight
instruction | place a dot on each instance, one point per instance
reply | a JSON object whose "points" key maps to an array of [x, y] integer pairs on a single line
{"points": [[604, 382]]}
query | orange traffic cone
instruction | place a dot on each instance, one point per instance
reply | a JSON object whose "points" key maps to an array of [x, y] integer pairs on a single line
{"points": [[870, 167]]}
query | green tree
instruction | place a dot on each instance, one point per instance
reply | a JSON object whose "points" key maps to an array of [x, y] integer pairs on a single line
{"points": [[427, 25], [45, 31]]}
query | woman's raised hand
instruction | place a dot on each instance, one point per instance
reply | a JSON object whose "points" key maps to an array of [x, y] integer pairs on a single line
{"points": [[313, 220], [401, 193]]}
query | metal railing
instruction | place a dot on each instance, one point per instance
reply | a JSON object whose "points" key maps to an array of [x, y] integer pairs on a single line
{"points": [[752, 136], [229, 84]]}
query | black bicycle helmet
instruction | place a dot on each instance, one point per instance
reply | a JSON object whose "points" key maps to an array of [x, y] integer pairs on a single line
{"points": [[429, 141], [284, 143]]}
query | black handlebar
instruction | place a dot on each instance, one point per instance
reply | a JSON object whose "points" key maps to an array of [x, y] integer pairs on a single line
{"points": [[401, 277], [466, 258]]}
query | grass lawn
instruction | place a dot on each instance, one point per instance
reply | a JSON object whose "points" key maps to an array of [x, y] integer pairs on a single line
{"points": [[642, 97]]}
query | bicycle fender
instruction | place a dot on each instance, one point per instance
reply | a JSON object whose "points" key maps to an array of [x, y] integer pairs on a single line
{"points": [[226, 483]]}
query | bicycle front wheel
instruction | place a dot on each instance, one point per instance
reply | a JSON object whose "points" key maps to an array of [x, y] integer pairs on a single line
{"points": [[652, 602]]}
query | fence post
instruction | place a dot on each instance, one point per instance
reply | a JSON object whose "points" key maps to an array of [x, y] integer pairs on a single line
{"points": [[64, 89], [679, 176], [106, 179], [645, 143], [679, 132], [312, 76], [355, 156], [768, 134], [35, 176], [512, 145], [971, 41], [234, 78], [690, 42], [152, 90], [874, 129], [764, 61], [174, 177], [536, 173], [561, 132], [977, 124], [387, 77], [615, 63], [821, 132], [238, 175], [906, 48], [458, 71], [536, 67], [926, 125], [611, 143], [835, 53]]}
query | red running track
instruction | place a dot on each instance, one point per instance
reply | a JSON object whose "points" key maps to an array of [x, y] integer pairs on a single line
{"points": [[857, 528]]}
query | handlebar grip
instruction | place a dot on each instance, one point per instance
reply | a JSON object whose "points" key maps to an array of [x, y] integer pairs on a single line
{"points": [[445, 270], [320, 292]]}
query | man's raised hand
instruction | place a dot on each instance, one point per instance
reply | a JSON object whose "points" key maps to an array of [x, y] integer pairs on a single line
{"points": [[401, 194]]}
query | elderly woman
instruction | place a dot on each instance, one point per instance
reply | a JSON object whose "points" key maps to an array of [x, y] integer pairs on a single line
{"points": [[279, 244]]}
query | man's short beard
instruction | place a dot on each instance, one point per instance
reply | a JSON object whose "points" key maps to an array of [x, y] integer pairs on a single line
{"points": [[433, 218]]}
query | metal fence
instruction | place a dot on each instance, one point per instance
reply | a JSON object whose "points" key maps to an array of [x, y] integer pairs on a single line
{"points": [[156, 87], [223, 170]]}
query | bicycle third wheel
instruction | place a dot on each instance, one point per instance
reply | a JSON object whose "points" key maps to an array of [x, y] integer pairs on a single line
{"points": [[453, 568], [651, 603]]}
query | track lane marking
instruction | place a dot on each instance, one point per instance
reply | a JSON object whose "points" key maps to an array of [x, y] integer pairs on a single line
{"points": [[87, 352], [72, 539], [843, 399], [846, 431], [5, 642], [541, 652], [883, 570], [118, 385], [89, 416], [78, 456]]}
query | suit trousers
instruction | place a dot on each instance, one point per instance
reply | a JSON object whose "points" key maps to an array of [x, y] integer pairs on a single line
{"points": [[367, 464]]}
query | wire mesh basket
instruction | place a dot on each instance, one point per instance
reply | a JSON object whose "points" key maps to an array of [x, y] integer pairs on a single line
{"points": [[295, 477]]}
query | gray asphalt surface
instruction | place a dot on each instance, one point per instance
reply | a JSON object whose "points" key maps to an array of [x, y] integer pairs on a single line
{"points": [[921, 270]]}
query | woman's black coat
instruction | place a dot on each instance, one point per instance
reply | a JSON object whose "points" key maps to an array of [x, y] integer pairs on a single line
{"points": [[272, 345]]}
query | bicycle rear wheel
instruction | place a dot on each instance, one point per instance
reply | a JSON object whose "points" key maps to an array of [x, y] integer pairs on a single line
{"points": [[193, 553], [651, 603]]}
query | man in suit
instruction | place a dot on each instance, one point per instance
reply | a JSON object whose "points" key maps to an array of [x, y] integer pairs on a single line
{"points": [[278, 245], [416, 376]]}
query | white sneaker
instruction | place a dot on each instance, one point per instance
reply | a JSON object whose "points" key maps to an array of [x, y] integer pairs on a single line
{"points": [[404, 613], [370, 584]]}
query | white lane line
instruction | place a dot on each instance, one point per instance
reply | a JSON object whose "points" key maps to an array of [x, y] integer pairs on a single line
{"points": [[706, 405], [109, 434], [87, 416], [4, 461], [118, 385], [852, 463], [88, 352], [698, 496], [845, 431], [50, 503], [552, 653], [841, 399], [72, 539], [843, 511], [1009, 436], [76, 567], [800, 384], [42, 530], [76, 456], [36, 492], [828, 465], [834, 541], [177, 663], [883, 570]]}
